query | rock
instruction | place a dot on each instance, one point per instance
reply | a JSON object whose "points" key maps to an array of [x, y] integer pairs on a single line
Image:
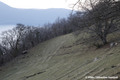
{"points": [[113, 44], [113, 66], [24, 52], [96, 59]]}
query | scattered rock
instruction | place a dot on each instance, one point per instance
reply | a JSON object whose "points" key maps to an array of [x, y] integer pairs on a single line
{"points": [[113, 66], [113, 44], [24, 52], [96, 59]]}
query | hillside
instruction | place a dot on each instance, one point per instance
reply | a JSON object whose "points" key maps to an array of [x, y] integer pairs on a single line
{"points": [[12, 16], [67, 57]]}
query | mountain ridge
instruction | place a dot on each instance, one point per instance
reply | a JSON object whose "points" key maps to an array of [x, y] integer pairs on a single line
{"points": [[11, 16]]}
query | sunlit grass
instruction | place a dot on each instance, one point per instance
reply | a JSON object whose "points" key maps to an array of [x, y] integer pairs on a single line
{"points": [[64, 58]]}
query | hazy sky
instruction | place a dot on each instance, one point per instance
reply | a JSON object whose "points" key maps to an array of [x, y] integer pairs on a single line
{"points": [[40, 4], [37, 4]]}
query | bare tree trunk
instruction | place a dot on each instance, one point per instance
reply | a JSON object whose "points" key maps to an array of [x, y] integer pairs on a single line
{"points": [[32, 43], [104, 39]]}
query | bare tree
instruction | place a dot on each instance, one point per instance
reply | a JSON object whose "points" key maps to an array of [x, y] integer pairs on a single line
{"points": [[11, 39], [101, 17]]}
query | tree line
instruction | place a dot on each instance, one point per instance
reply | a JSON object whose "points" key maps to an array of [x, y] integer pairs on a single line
{"points": [[22, 37]]}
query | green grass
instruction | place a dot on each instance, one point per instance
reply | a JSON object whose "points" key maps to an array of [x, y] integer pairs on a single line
{"points": [[67, 57]]}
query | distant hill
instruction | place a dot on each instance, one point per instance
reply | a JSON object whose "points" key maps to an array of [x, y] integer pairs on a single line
{"points": [[10, 16]]}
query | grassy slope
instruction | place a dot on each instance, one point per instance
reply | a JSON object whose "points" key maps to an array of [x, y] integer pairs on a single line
{"points": [[63, 58]]}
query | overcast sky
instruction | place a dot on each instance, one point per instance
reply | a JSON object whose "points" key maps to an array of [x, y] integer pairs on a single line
{"points": [[40, 4]]}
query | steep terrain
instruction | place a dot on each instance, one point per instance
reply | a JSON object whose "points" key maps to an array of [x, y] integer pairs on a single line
{"points": [[67, 57]]}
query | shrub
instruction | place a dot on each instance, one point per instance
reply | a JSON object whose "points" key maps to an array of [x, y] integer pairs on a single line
{"points": [[97, 45]]}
